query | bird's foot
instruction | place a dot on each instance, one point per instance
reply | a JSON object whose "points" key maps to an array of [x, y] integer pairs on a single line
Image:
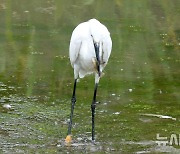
{"points": [[93, 142], [68, 139]]}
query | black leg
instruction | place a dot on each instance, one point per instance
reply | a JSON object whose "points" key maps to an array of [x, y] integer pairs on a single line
{"points": [[93, 106], [73, 101]]}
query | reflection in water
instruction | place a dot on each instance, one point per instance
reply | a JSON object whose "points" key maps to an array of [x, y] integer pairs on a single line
{"points": [[142, 77]]}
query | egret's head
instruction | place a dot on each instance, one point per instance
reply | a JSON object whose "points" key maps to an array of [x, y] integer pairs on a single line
{"points": [[95, 30]]}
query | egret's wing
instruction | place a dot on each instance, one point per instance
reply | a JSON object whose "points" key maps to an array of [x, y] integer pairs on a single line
{"points": [[74, 49], [106, 48]]}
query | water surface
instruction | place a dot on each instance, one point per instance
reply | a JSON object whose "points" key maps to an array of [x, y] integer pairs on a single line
{"points": [[138, 96]]}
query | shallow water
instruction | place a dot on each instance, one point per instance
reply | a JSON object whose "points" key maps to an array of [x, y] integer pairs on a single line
{"points": [[138, 96]]}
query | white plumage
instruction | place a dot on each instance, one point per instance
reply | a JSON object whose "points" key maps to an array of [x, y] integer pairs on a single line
{"points": [[82, 52], [89, 51]]}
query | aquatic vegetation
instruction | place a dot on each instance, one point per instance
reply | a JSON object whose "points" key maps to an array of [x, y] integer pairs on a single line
{"points": [[139, 93]]}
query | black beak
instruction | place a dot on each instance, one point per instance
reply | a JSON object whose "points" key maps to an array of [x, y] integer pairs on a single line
{"points": [[96, 47]]}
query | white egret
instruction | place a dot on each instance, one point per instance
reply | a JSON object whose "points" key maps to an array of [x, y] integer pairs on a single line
{"points": [[89, 51]]}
